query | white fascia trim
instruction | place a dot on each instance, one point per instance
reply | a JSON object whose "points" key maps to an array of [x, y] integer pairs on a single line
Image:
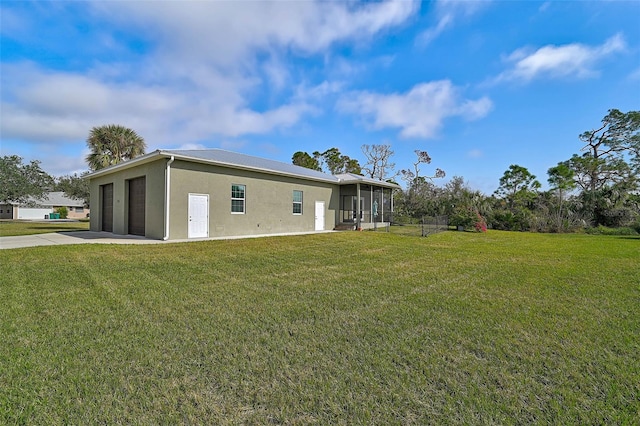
{"points": [[167, 197], [126, 164]]}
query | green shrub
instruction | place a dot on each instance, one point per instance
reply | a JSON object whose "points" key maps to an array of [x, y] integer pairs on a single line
{"points": [[506, 220], [603, 230], [63, 212], [616, 218], [464, 219]]}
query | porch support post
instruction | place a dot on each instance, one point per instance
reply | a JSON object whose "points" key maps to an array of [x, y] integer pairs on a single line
{"points": [[391, 195], [382, 205], [358, 224], [371, 218]]}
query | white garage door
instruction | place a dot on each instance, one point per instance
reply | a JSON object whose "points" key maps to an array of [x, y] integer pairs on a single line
{"points": [[33, 213]]}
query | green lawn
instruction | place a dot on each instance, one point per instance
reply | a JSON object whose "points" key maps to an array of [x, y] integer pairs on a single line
{"points": [[19, 227], [341, 328]]}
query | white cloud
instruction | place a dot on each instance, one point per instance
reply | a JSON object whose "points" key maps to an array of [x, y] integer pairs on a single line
{"points": [[58, 164], [12, 23], [196, 80], [233, 145], [570, 60], [246, 121], [447, 13], [187, 146], [635, 74], [227, 32], [418, 113], [544, 6], [64, 107], [277, 74], [305, 92], [47, 106], [475, 153], [430, 34]]}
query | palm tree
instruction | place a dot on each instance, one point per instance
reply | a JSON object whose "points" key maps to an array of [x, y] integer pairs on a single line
{"points": [[112, 144]]}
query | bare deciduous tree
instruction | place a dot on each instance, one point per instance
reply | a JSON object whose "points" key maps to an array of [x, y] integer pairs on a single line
{"points": [[378, 165], [411, 176]]}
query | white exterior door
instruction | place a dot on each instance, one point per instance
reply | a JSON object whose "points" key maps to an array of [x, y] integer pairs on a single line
{"points": [[319, 215], [198, 215]]}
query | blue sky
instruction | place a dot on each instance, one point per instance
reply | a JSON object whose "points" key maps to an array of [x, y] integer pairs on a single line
{"points": [[479, 85]]}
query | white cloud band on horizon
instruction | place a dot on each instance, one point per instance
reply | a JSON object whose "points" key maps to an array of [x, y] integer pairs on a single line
{"points": [[418, 113]]}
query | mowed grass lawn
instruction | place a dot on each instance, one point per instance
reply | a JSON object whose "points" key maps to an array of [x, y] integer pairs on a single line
{"points": [[28, 227], [341, 328]]}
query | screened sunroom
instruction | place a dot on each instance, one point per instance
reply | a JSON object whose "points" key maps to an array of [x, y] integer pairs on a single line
{"points": [[365, 203]]}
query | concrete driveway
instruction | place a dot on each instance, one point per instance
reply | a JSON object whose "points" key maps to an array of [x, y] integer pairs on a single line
{"points": [[73, 237], [92, 237]]}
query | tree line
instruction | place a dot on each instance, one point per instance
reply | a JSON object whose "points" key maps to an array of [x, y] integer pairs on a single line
{"points": [[598, 187], [23, 183]]}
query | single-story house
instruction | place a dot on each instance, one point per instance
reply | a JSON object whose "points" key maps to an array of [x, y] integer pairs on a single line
{"points": [[179, 194], [41, 208]]}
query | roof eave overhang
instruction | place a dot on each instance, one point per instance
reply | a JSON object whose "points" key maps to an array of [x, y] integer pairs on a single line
{"points": [[249, 168], [147, 158], [165, 154], [354, 180]]}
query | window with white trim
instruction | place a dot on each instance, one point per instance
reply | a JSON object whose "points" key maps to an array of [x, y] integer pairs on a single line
{"points": [[297, 202], [238, 199]]}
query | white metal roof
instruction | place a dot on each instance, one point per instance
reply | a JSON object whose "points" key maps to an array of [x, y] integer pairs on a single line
{"points": [[225, 158], [347, 178], [235, 159], [55, 199]]}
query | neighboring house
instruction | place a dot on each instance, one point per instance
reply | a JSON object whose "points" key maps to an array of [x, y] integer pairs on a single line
{"points": [[178, 194], [41, 208]]}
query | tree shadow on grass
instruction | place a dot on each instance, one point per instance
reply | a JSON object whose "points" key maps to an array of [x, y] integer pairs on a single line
{"points": [[48, 227]]}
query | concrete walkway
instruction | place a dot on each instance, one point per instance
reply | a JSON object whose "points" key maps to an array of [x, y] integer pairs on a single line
{"points": [[72, 237]]}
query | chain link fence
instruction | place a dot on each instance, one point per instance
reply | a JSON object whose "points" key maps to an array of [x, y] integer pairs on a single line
{"points": [[433, 225], [426, 226]]}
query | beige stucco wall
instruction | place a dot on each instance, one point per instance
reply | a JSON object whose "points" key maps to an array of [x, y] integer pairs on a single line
{"points": [[7, 211], [154, 198], [268, 208], [77, 215]]}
